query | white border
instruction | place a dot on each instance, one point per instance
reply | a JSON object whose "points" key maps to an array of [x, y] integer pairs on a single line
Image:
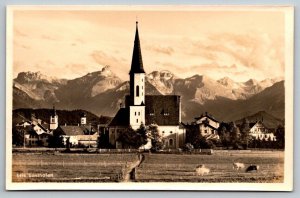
{"points": [[289, 61]]}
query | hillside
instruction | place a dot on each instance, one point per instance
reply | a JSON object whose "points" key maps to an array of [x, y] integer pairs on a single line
{"points": [[65, 116]]}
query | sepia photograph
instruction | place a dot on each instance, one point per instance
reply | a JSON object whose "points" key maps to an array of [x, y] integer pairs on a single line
{"points": [[149, 98]]}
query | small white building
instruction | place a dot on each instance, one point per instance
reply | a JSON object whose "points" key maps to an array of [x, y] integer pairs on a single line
{"points": [[260, 132]]}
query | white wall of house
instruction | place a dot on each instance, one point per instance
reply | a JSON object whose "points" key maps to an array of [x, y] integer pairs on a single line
{"points": [[259, 131], [206, 130], [174, 136], [38, 129], [264, 136]]}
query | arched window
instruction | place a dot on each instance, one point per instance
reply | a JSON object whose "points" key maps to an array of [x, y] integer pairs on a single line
{"points": [[170, 142], [137, 90]]}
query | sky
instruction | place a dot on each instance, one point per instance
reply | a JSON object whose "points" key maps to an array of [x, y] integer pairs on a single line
{"points": [[71, 43]]}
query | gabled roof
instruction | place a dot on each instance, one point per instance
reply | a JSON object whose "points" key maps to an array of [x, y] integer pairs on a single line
{"points": [[162, 109], [137, 62], [252, 124], [121, 118], [206, 115], [74, 130], [208, 126]]}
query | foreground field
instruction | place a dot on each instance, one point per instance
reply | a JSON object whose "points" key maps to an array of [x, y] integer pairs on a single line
{"points": [[43, 167], [50, 167], [181, 168]]}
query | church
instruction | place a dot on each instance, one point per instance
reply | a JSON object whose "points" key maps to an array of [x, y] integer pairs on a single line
{"points": [[162, 110]]}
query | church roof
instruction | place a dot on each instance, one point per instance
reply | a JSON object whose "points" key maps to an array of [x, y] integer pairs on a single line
{"points": [[162, 109], [137, 62], [121, 118]]}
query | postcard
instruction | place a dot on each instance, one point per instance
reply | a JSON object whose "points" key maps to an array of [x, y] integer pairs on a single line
{"points": [[149, 98]]}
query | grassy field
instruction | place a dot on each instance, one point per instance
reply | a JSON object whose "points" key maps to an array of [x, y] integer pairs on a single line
{"points": [[181, 168], [70, 167], [50, 167]]}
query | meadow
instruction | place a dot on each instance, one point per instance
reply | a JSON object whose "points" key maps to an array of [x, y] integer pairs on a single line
{"points": [[66, 167]]}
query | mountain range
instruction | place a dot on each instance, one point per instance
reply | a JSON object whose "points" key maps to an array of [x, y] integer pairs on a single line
{"points": [[103, 92]]}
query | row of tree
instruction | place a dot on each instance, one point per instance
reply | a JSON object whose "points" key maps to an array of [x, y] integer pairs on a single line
{"points": [[232, 136]]}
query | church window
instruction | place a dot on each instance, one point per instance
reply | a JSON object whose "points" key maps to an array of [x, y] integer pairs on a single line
{"points": [[135, 113], [171, 132], [137, 120], [137, 90], [139, 113], [171, 142]]}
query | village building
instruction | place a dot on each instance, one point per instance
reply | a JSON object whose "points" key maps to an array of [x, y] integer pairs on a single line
{"points": [[260, 132], [81, 135], [207, 125], [162, 110], [35, 132]]}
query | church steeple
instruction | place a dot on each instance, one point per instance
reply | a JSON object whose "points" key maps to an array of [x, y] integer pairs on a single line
{"points": [[137, 85], [137, 62]]}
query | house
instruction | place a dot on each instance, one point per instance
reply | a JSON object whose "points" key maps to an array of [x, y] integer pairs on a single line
{"points": [[35, 133], [78, 136], [162, 110], [75, 135], [260, 132], [207, 124]]}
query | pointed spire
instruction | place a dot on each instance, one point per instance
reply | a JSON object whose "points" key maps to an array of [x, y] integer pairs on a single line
{"points": [[137, 62], [53, 111]]}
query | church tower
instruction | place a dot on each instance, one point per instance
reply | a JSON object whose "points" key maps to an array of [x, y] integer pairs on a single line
{"points": [[137, 85], [53, 120], [83, 119]]}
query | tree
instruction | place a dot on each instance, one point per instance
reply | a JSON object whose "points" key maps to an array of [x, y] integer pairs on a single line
{"points": [[18, 136], [156, 138], [224, 135], [143, 134], [56, 140], [280, 136], [201, 142], [245, 135], [235, 136], [133, 139]]}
